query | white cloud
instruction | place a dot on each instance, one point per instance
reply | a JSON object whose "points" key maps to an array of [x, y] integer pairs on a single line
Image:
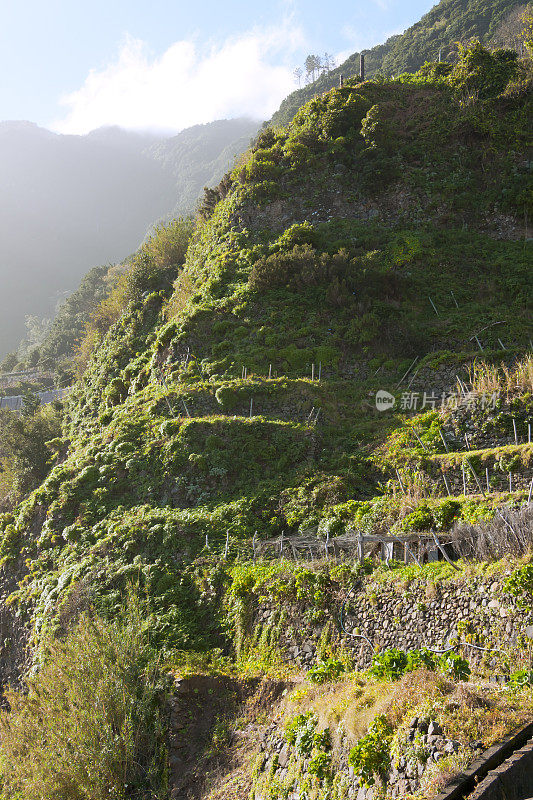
{"points": [[244, 76]]}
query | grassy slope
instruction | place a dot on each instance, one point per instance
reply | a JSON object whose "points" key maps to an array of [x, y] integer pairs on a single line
{"points": [[163, 449]]}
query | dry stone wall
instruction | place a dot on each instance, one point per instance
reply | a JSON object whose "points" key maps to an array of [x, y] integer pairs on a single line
{"points": [[473, 612]]}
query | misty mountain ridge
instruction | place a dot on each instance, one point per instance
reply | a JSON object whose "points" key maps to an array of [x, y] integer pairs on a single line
{"points": [[69, 202]]}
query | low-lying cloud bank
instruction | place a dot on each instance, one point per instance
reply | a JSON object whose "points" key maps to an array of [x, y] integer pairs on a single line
{"points": [[188, 84]]}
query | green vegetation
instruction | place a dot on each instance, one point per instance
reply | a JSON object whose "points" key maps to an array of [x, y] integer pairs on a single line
{"points": [[91, 723], [226, 396], [371, 754], [28, 445], [496, 23], [392, 664], [197, 414]]}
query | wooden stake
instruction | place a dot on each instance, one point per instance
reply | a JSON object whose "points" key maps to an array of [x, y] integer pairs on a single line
{"points": [[400, 479], [360, 548], [434, 306], [251, 406], [269, 371], [464, 480], [510, 481], [443, 441], [530, 491], [404, 375], [479, 344], [487, 478], [420, 440], [515, 433], [502, 345], [453, 298], [319, 370], [443, 551], [227, 545], [312, 372]]}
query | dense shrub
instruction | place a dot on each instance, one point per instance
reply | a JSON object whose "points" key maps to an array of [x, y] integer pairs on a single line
{"points": [[301, 267], [483, 73], [370, 758], [153, 267], [89, 725], [23, 444]]}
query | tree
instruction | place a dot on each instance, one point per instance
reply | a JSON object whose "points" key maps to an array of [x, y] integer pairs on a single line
{"points": [[23, 448], [9, 363], [298, 72], [527, 30], [328, 63], [312, 66], [510, 31]]}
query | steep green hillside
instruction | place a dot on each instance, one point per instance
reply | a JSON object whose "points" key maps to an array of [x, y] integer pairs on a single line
{"points": [[228, 397], [383, 224], [199, 156], [448, 22]]}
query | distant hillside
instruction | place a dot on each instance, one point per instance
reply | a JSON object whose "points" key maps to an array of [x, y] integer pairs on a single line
{"points": [[448, 22], [199, 156], [67, 203], [70, 202]]}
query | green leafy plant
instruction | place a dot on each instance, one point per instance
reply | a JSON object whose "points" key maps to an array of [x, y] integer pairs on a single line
{"points": [[520, 679], [320, 766], [300, 732], [371, 755], [520, 585], [455, 666], [391, 664], [324, 671]]}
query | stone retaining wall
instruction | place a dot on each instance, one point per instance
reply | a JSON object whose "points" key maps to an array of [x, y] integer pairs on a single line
{"points": [[473, 611]]}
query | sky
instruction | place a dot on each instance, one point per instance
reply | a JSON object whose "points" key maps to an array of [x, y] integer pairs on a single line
{"points": [[164, 65]]}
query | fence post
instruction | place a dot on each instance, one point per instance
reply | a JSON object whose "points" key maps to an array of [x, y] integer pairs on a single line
{"points": [[360, 548]]}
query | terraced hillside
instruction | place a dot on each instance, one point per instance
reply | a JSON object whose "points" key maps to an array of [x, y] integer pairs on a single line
{"points": [[376, 243], [382, 227]]}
